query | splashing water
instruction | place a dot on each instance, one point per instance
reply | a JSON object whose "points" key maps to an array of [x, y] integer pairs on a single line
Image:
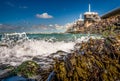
{"points": [[20, 48], [13, 38]]}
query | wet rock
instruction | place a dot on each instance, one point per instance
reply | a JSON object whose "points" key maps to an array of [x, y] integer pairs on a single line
{"points": [[77, 46], [27, 69], [5, 66], [5, 70], [37, 59], [100, 62], [51, 77], [17, 78], [60, 52], [5, 73]]}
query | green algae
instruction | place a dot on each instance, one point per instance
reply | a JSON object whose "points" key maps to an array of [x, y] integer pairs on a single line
{"points": [[27, 69]]}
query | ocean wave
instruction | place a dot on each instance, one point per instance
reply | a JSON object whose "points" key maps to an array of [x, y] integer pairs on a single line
{"points": [[33, 48]]}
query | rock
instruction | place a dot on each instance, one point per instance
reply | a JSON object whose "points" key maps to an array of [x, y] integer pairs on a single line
{"points": [[100, 62], [18, 78], [37, 59], [5, 66], [51, 76], [27, 69], [59, 54], [5, 70], [5, 73]]}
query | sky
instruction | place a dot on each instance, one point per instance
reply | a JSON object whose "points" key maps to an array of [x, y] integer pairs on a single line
{"points": [[47, 15]]}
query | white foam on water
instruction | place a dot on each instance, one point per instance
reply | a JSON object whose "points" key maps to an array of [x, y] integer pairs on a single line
{"points": [[26, 50], [31, 48]]}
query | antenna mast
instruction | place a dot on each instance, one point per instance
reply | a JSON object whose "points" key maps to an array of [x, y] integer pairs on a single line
{"points": [[80, 16], [89, 8]]}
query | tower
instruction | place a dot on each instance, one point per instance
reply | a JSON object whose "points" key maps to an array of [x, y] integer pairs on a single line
{"points": [[90, 17], [80, 16], [80, 20], [89, 8]]}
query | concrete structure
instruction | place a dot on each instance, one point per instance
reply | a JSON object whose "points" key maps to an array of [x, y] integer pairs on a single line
{"points": [[111, 13], [80, 21], [80, 24], [90, 17]]}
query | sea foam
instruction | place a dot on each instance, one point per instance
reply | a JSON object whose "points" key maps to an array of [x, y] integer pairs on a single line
{"points": [[26, 49]]}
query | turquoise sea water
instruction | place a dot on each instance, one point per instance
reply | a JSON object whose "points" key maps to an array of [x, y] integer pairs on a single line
{"points": [[56, 36]]}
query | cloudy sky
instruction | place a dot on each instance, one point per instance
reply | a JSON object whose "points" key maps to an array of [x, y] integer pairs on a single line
{"points": [[47, 15]]}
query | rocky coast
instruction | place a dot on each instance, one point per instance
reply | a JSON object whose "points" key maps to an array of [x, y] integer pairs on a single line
{"points": [[94, 60]]}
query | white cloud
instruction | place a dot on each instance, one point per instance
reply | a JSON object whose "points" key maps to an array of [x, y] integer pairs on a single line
{"points": [[68, 25], [50, 25], [44, 16], [59, 27], [0, 24], [65, 27]]}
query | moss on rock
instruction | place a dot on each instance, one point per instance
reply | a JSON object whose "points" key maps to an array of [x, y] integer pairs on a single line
{"points": [[27, 69]]}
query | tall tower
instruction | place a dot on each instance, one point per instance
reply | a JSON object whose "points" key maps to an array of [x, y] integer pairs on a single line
{"points": [[80, 18], [89, 8], [90, 17]]}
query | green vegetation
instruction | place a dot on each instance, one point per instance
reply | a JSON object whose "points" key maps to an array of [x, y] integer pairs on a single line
{"points": [[27, 69]]}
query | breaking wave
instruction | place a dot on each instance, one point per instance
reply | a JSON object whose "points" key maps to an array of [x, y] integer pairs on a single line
{"points": [[18, 47]]}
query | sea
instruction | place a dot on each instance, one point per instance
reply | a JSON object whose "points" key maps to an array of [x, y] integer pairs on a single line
{"points": [[16, 48]]}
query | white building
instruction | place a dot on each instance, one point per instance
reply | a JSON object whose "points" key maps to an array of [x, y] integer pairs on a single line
{"points": [[90, 17]]}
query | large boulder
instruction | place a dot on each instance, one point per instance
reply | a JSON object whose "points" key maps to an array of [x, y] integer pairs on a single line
{"points": [[28, 69]]}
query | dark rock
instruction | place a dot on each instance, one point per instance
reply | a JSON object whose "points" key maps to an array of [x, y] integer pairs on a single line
{"points": [[4, 66], [37, 59], [5, 73], [27, 69], [18, 78], [60, 52], [100, 61]]}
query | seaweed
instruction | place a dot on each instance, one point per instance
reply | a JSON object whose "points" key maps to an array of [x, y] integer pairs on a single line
{"points": [[27, 69], [99, 62]]}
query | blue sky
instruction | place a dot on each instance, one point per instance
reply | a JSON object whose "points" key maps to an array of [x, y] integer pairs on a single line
{"points": [[47, 15]]}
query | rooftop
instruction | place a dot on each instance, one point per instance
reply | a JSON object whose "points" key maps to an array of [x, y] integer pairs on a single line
{"points": [[90, 13], [111, 13]]}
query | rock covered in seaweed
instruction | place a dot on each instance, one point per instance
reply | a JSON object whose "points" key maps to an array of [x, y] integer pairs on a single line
{"points": [[97, 60], [27, 69]]}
